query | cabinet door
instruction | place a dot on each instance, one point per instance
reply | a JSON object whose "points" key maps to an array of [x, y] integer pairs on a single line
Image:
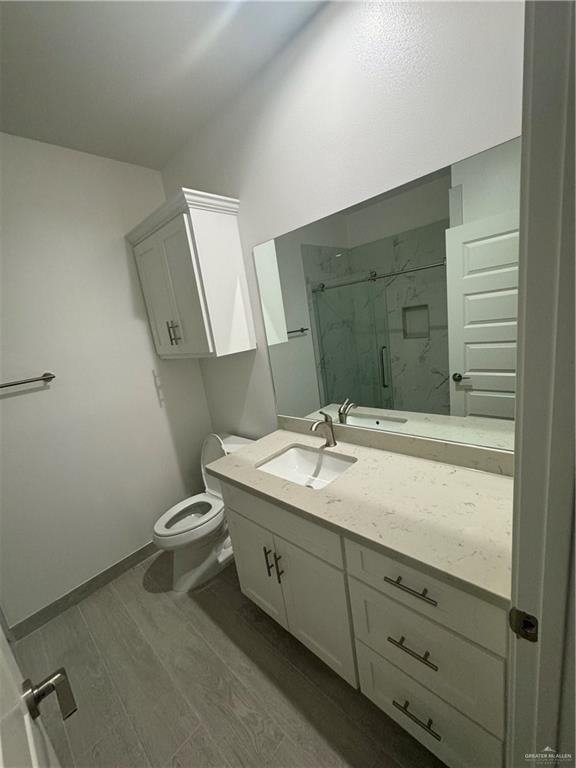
{"points": [[317, 607], [192, 333], [254, 554], [157, 291]]}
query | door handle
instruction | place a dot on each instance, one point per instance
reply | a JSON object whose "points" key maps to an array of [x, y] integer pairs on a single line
{"points": [[58, 683], [279, 571], [383, 367], [457, 377], [269, 565], [176, 338], [172, 325]]}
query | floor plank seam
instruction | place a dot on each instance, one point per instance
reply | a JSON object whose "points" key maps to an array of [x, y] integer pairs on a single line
{"points": [[200, 719], [175, 602], [195, 730], [116, 691]]}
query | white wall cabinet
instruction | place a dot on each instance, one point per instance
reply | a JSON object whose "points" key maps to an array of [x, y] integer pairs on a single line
{"points": [[191, 269], [291, 585]]}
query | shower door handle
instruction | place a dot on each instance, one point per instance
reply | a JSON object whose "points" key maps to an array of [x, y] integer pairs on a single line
{"points": [[383, 367]]}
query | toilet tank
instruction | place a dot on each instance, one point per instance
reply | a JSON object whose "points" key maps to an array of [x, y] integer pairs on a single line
{"points": [[216, 446]]}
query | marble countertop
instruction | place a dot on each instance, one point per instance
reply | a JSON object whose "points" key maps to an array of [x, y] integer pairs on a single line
{"points": [[454, 520]]}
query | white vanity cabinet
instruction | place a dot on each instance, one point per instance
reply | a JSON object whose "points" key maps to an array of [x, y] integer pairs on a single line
{"points": [[302, 592], [191, 270], [431, 655]]}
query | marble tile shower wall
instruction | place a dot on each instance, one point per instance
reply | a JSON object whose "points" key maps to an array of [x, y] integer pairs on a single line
{"points": [[417, 372]]}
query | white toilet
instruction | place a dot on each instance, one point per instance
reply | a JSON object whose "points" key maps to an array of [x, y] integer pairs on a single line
{"points": [[195, 528]]}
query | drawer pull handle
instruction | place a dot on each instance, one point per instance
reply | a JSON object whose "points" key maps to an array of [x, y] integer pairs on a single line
{"points": [[279, 570], [424, 659], [269, 565], [425, 726], [420, 595]]}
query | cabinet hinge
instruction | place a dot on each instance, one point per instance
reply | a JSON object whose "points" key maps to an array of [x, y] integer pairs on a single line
{"points": [[523, 624]]}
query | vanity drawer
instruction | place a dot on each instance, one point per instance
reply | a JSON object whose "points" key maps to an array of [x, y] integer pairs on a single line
{"points": [[447, 733], [472, 617], [324, 544], [471, 679]]}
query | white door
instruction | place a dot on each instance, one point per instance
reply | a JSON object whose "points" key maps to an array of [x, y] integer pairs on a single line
{"points": [[155, 281], [541, 677], [316, 607], [482, 279], [257, 572], [189, 316], [23, 741]]}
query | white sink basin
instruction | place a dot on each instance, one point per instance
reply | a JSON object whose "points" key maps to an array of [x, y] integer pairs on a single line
{"points": [[310, 467]]}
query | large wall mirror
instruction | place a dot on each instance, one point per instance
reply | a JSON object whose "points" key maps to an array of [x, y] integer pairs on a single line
{"points": [[403, 307]]}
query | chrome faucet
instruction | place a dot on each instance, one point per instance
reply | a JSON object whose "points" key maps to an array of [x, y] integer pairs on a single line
{"points": [[345, 409], [326, 429]]}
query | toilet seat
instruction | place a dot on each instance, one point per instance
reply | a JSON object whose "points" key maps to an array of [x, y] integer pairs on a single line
{"points": [[195, 529], [189, 520]]}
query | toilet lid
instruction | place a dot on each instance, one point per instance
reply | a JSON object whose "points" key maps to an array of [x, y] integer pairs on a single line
{"points": [[212, 449]]}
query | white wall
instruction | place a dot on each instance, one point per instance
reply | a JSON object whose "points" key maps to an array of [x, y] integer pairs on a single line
{"points": [[490, 181], [414, 207], [366, 98], [91, 462]]}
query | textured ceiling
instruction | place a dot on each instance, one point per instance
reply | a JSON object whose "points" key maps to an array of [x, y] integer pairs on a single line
{"points": [[132, 80]]}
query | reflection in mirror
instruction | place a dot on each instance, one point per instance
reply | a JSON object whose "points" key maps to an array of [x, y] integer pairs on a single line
{"points": [[399, 313]]}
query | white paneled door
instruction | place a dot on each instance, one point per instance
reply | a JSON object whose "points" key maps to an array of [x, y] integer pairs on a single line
{"points": [[482, 278]]}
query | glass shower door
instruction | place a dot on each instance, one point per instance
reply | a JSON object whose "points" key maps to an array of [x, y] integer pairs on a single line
{"points": [[351, 337]]}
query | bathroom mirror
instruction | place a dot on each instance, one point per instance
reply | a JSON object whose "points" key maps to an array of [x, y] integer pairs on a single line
{"points": [[404, 306]]}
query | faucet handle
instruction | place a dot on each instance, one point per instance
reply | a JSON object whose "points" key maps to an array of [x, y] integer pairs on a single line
{"points": [[327, 417], [342, 408]]}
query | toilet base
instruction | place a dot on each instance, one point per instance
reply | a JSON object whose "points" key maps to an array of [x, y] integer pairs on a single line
{"points": [[196, 564]]}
